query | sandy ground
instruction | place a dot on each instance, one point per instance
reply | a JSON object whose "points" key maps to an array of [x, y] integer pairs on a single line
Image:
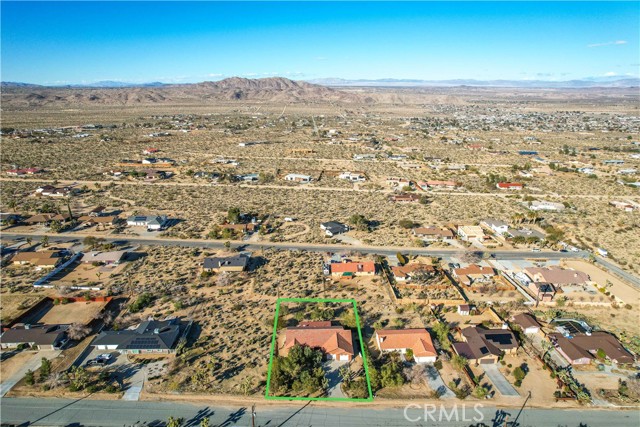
{"points": [[77, 312], [619, 288], [12, 365]]}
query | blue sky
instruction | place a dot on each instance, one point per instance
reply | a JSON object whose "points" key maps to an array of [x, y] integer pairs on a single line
{"points": [[76, 42]]}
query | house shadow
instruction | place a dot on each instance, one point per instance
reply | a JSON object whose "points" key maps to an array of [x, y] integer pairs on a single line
{"points": [[256, 263], [172, 222], [135, 256]]}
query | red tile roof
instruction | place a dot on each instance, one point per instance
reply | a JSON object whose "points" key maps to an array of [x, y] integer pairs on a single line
{"points": [[354, 267], [331, 340], [418, 340]]}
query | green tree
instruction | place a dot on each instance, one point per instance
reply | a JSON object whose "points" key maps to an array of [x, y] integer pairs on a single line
{"points": [[175, 422], [44, 241], [29, 378], [359, 222], [233, 215], [401, 258], [459, 362], [406, 223], [441, 329], [45, 369], [600, 354], [391, 374], [204, 422], [519, 374], [480, 392]]}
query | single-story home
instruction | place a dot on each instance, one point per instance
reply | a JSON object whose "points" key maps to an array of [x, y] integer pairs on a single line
{"points": [[43, 218], [527, 323], [44, 337], [581, 349], [40, 259], [350, 269], [231, 263], [471, 232], [335, 342], [557, 275], [151, 336], [331, 228], [485, 346], [152, 222], [353, 177], [474, 274], [112, 257], [400, 340], [509, 186], [433, 234], [297, 177], [495, 225], [405, 273]]}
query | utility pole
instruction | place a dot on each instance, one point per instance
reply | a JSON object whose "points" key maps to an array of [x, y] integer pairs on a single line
{"points": [[514, 423], [253, 416]]}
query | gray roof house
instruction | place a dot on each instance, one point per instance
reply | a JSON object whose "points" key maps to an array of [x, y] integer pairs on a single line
{"points": [[232, 263], [44, 337], [332, 228], [151, 336], [154, 222]]}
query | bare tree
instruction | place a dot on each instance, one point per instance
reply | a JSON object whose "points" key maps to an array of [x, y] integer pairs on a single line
{"points": [[224, 279], [78, 331]]}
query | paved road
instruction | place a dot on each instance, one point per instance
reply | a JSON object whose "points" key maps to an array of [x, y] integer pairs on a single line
{"points": [[436, 383], [90, 413], [380, 250], [617, 270], [32, 364], [498, 380]]}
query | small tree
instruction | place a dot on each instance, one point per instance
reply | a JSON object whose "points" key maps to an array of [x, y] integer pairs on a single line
{"points": [[459, 362], [480, 392], [45, 369], [29, 378], [518, 374], [174, 422]]}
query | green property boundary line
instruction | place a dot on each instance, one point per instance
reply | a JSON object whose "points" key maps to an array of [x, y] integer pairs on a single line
{"points": [[273, 347]]}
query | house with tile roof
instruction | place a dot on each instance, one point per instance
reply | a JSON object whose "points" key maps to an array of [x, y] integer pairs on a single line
{"points": [[474, 274], [400, 340], [405, 273], [335, 342], [350, 269]]}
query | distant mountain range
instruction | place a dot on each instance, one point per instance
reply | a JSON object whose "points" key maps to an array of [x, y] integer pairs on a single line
{"points": [[613, 81], [584, 83], [273, 89]]}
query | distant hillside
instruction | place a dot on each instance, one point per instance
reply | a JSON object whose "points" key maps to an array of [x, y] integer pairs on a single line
{"points": [[275, 89], [568, 84]]}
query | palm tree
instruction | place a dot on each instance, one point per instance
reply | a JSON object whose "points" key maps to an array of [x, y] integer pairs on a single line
{"points": [[517, 218], [532, 216], [29, 240], [204, 422], [45, 241]]}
